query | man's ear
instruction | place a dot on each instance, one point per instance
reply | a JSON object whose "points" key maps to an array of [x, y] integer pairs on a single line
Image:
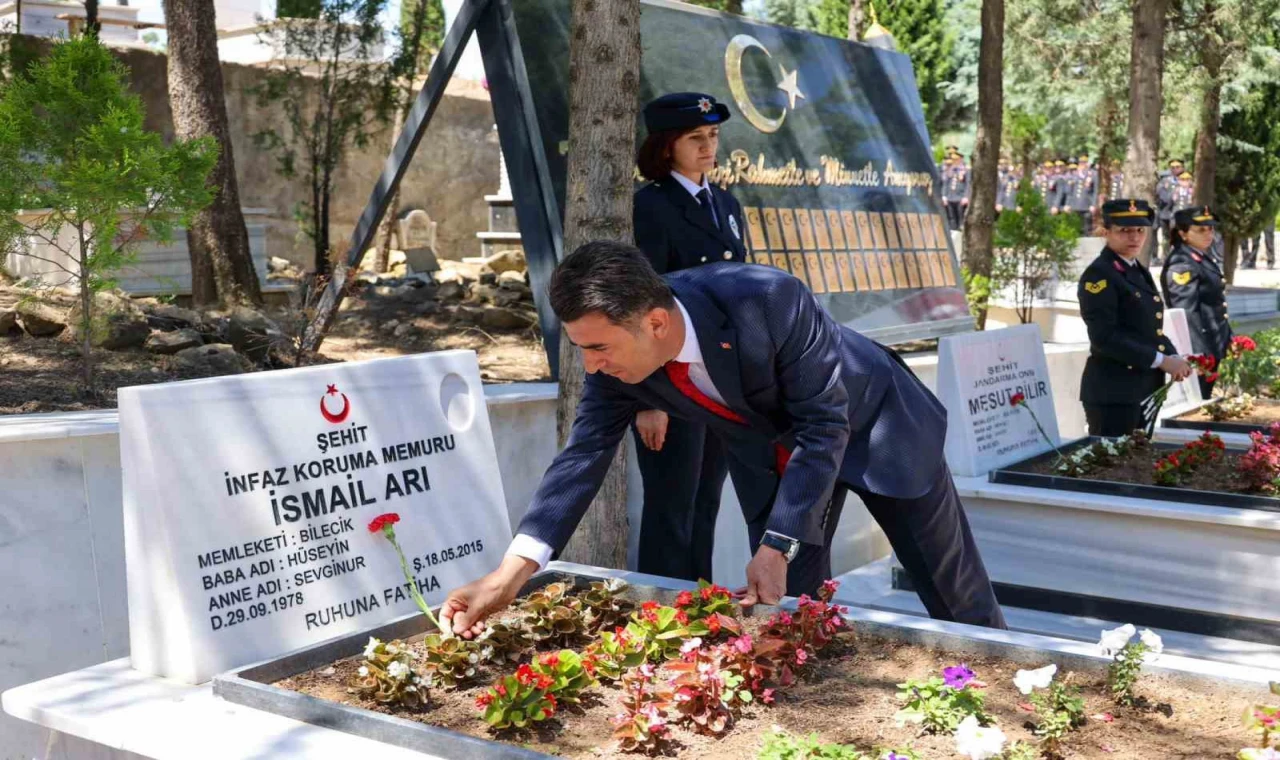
{"points": [[657, 322]]}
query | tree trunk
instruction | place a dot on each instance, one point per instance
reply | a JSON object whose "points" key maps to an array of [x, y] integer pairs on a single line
{"points": [[221, 263], [1230, 255], [857, 19], [980, 220], [1146, 67], [604, 81], [1207, 144], [91, 23], [86, 313]]}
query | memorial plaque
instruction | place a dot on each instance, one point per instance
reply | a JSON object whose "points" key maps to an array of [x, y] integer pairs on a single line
{"points": [[852, 238], [892, 242], [927, 228], [904, 231], [948, 268], [878, 241], [781, 261], [798, 269], [816, 280], [887, 273], [867, 261], [940, 232], [830, 271], [790, 235], [917, 232], [247, 500], [755, 230], [900, 273], [820, 230], [838, 241], [977, 374], [913, 270], [845, 266], [774, 230], [925, 264], [807, 241]]}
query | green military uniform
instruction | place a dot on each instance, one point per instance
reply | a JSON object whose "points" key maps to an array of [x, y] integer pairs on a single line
{"points": [[1193, 281], [1124, 314]]}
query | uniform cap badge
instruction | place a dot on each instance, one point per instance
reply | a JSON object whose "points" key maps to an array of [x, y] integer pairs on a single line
{"points": [[704, 105], [1133, 205], [1096, 287]]}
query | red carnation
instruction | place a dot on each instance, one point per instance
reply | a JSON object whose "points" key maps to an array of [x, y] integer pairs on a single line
{"points": [[1017, 398], [382, 522]]}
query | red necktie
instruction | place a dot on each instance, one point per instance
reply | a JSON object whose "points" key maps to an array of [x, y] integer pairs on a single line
{"points": [[678, 372]]}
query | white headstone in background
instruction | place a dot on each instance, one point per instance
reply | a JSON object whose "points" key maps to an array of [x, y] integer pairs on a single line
{"points": [[247, 501], [1185, 394], [977, 374]]}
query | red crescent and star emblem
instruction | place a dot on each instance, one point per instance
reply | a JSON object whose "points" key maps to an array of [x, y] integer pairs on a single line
{"points": [[346, 406]]}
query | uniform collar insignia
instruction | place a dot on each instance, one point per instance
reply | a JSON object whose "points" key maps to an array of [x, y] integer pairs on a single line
{"points": [[1119, 267], [1196, 256]]}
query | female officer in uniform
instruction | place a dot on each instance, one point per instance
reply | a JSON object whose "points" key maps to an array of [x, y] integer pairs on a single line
{"points": [[1122, 309], [681, 221], [1193, 281]]}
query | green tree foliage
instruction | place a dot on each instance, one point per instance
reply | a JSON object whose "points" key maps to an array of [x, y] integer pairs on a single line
{"points": [[1032, 246], [799, 14], [432, 28], [72, 142], [1248, 177], [727, 6], [335, 89], [298, 8]]}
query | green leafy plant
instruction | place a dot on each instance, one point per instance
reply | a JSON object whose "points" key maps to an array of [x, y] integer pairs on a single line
{"points": [[1021, 751], [706, 694], [518, 700], [641, 726], [74, 151], [603, 606], [1250, 365], [809, 630], [1230, 407], [505, 642], [782, 745], [1059, 706], [1127, 659], [977, 291], [1087, 459], [1031, 247], [551, 615], [661, 630], [707, 612], [1264, 720], [568, 673], [938, 707], [388, 676], [615, 653], [450, 661], [1172, 469]]}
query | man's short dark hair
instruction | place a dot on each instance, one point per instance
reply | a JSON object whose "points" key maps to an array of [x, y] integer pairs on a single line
{"points": [[611, 278]]}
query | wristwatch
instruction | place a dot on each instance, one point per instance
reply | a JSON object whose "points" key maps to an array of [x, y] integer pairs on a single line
{"points": [[785, 544]]}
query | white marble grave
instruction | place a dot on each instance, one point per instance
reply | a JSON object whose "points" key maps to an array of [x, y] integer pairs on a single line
{"points": [[977, 375], [247, 500]]}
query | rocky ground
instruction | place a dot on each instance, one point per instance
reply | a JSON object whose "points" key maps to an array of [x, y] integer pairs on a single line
{"points": [[483, 306]]}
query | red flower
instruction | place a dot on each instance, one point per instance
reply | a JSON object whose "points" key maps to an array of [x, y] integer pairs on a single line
{"points": [[501, 689], [552, 709], [550, 659], [705, 593], [683, 617], [1243, 343], [713, 625], [545, 681], [684, 599], [524, 674], [1017, 399], [484, 700], [383, 521], [649, 606]]}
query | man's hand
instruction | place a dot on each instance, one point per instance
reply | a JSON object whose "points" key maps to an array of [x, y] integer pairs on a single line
{"points": [[652, 425], [766, 577], [1177, 367], [466, 608]]}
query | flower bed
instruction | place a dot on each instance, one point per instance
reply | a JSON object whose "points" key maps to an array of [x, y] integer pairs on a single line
{"points": [[1199, 472], [1234, 414], [583, 670]]}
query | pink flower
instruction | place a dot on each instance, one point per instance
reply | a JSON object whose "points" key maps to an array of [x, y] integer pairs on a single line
{"points": [[767, 696], [647, 670], [742, 644], [801, 656]]}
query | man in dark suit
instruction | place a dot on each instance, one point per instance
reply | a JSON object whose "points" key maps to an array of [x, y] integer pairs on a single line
{"points": [[1129, 353], [748, 351]]}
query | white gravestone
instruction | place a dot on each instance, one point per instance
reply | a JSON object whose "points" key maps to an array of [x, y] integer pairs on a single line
{"points": [[1185, 394], [977, 374], [247, 501]]}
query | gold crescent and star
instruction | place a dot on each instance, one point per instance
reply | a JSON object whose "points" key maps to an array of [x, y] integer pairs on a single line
{"points": [[733, 54]]}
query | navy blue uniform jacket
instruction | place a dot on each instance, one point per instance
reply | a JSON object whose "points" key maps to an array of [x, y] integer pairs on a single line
{"points": [[846, 406], [675, 232]]}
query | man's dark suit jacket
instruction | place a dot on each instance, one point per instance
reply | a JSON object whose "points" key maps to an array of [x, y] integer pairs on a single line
{"points": [[847, 407]]}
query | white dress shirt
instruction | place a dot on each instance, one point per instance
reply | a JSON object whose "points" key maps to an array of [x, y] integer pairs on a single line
{"points": [[693, 187], [524, 545]]}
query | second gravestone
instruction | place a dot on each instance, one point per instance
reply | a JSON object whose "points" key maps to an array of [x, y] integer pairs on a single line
{"points": [[247, 501], [977, 375]]}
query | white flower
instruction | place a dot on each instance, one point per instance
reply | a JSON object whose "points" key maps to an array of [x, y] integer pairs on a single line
{"points": [[1253, 753], [398, 670], [978, 743], [371, 648], [363, 671], [1113, 641], [1030, 680], [1152, 639], [473, 658], [392, 649], [691, 645]]}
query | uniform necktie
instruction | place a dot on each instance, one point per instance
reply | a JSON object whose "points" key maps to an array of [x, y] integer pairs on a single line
{"points": [[704, 198], [678, 373]]}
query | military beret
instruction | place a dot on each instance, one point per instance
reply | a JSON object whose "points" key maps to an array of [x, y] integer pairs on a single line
{"points": [[1195, 215], [1127, 212], [683, 110]]}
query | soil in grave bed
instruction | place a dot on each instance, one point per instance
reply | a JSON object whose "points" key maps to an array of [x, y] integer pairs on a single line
{"points": [[850, 696], [1137, 468], [1264, 412]]}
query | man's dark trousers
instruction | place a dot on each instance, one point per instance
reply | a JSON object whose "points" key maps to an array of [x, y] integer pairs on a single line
{"points": [[676, 541], [932, 540]]}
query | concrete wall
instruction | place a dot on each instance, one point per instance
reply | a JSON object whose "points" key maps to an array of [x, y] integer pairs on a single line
{"points": [[455, 167]]}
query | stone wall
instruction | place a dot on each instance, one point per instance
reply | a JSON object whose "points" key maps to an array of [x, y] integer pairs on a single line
{"points": [[455, 167]]}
